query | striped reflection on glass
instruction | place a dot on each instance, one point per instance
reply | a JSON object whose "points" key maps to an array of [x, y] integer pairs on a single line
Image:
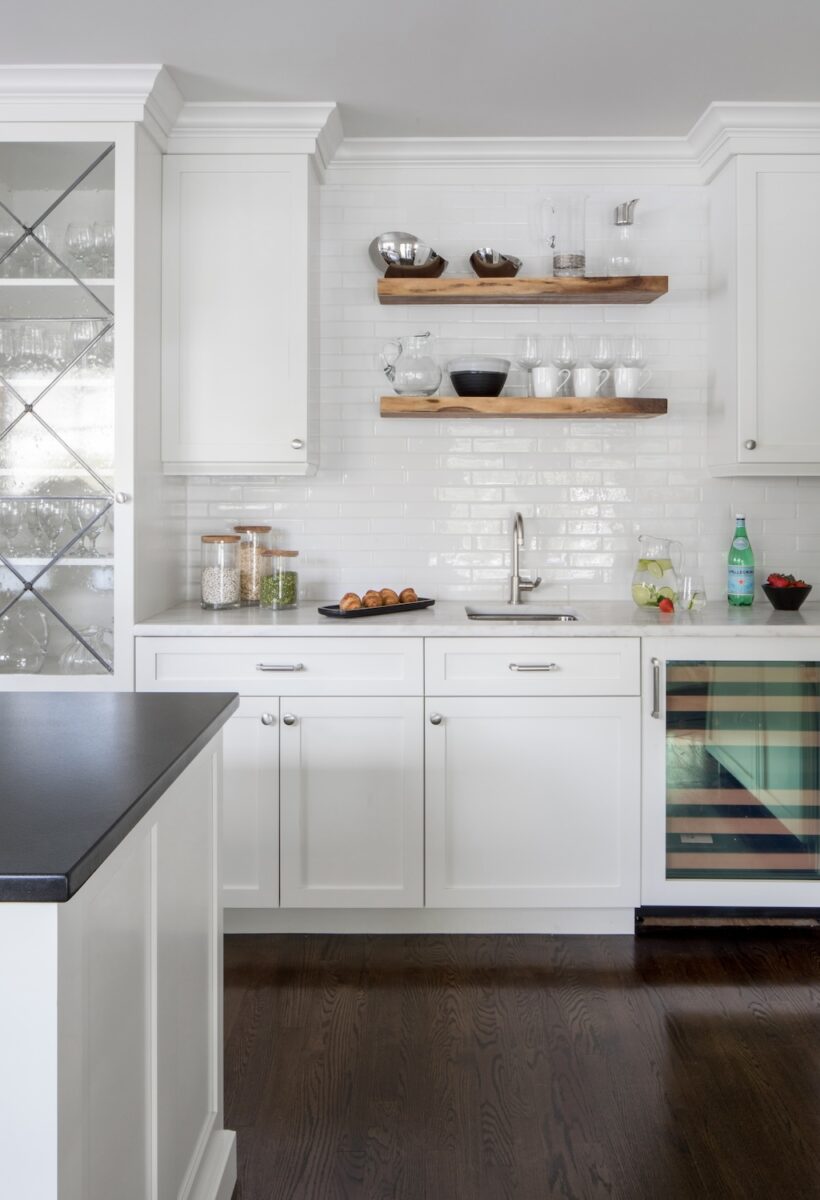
{"points": [[742, 750]]}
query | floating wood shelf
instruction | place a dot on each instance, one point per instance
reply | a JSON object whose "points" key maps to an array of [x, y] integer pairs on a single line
{"points": [[603, 289], [556, 407]]}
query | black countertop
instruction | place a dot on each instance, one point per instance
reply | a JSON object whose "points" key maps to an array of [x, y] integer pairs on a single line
{"points": [[79, 770]]}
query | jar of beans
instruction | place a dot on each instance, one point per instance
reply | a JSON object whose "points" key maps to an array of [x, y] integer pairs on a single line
{"points": [[280, 585], [220, 570], [254, 539]]}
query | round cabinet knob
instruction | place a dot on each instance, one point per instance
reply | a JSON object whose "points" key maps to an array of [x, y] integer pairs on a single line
{"points": [[436, 718], [267, 718], [121, 497], [751, 444], [297, 443], [289, 719]]}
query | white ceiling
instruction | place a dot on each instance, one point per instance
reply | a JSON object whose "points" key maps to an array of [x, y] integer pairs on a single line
{"points": [[432, 68]]}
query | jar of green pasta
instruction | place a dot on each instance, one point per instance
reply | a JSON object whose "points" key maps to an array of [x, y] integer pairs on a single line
{"points": [[279, 583]]}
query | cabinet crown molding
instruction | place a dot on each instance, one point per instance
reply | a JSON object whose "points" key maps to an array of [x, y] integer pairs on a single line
{"points": [[141, 92], [723, 130], [304, 127]]}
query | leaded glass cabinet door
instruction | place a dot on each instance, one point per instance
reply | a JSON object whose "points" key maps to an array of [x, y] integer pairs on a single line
{"points": [[731, 794], [57, 510]]}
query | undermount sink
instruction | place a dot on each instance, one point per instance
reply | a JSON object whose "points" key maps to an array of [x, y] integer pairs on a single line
{"points": [[521, 612]]}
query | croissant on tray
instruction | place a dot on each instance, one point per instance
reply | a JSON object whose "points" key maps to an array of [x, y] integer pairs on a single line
{"points": [[377, 599]]}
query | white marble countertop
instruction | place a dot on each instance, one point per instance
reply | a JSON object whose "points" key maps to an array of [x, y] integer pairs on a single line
{"points": [[447, 618]]}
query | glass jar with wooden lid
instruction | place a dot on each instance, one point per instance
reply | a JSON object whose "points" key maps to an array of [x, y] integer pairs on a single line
{"points": [[254, 539], [280, 584], [220, 570]]}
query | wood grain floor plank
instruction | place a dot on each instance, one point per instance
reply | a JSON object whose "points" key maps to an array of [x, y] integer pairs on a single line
{"points": [[524, 1068]]}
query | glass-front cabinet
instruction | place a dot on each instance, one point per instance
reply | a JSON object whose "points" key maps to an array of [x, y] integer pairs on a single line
{"points": [[57, 408], [731, 786]]}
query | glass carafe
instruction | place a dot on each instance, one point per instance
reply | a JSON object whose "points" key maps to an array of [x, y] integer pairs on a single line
{"points": [[410, 366], [656, 574]]}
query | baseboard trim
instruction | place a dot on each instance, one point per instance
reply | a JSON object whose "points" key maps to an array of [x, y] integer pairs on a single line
{"points": [[430, 920], [216, 1177]]}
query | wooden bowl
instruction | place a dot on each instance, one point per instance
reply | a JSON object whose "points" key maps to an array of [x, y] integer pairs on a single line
{"points": [[430, 270]]}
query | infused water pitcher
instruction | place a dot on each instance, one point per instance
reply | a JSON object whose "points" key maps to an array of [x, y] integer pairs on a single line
{"points": [[657, 570]]}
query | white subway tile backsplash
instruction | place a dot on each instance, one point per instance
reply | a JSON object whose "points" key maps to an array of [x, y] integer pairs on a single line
{"points": [[429, 503]]}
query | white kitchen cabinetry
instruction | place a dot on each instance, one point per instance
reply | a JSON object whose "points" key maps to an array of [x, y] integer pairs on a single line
{"points": [[532, 802], [238, 314], [764, 415], [731, 772], [84, 550], [352, 808], [250, 820]]}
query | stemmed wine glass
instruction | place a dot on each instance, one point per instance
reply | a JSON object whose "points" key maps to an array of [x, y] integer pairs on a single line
{"points": [[81, 511], [104, 246], [565, 355], [11, 519], [529, 353], [603, 356], [52, 520], [79, 242], [41, 261], [632, 353]]}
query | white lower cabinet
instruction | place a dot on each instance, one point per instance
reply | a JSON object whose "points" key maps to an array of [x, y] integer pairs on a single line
{"points": [[533, 802], [351, 802], [250, 818]]}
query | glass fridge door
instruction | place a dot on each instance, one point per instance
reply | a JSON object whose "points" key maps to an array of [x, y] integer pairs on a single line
{"points": [[742, 749]]}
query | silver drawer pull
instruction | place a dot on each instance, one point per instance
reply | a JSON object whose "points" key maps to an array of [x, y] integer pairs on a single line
{"points": [[534, 667], [280, 666]]}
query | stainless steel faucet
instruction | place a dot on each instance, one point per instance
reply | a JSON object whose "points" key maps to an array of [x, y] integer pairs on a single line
{"points": [[517, 583]]}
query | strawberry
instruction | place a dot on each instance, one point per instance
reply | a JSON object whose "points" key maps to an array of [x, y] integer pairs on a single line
{"points": [[666, 606], [777, 581]]}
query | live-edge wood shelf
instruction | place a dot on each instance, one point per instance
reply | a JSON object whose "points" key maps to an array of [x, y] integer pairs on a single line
{"points": [[555, 407], [603, 289]]}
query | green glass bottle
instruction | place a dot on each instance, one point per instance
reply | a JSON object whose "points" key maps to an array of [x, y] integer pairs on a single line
{"points": [[741, 566]]}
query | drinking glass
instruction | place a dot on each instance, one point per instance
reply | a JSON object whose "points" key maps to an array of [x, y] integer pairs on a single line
{"points": [[79, 242], [11, 518], [565, 354], [52, 522], [632, 353], [35, 528], [104, 246], [529, 353], [603, 354], [85, 511], [691, 593], [41, 261]]}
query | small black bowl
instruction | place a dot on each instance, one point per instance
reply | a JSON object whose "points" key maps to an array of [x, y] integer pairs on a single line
{"points": [[786, 599]]}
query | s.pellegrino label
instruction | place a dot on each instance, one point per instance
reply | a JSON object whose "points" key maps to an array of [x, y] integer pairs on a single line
{"points": [[741, 590]]}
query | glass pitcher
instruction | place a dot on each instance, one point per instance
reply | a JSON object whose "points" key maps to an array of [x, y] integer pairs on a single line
{"points": [[656, 575], [412, 370]]}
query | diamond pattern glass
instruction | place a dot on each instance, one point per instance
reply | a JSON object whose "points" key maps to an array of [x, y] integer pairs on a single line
{"points": [[56, 408]]}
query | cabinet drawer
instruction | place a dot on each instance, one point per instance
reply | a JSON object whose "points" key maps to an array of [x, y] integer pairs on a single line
{"points": [[564, 666], [274, 666]]}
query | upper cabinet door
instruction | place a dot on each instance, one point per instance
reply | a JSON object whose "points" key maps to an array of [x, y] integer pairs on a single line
{"points": [[236, 313], [778, 270]]}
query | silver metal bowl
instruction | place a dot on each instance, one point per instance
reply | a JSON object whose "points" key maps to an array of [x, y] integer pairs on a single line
{"points": [[398, 249]]}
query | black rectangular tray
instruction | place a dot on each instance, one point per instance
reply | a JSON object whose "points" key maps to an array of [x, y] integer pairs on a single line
{"points": [[333, 610]]}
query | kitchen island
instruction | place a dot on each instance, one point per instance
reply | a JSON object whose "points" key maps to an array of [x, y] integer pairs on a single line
{"points": [[110, 940]]}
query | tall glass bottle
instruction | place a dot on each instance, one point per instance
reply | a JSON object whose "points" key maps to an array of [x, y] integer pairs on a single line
{"points": [[741, 589]]}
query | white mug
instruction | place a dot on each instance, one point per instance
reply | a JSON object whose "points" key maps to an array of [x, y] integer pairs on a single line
{"points": [[588, 381], [630, 380], [549, 381]]}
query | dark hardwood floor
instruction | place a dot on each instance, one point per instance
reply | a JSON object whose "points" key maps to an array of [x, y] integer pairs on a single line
{"points": [[533, 1068]]}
